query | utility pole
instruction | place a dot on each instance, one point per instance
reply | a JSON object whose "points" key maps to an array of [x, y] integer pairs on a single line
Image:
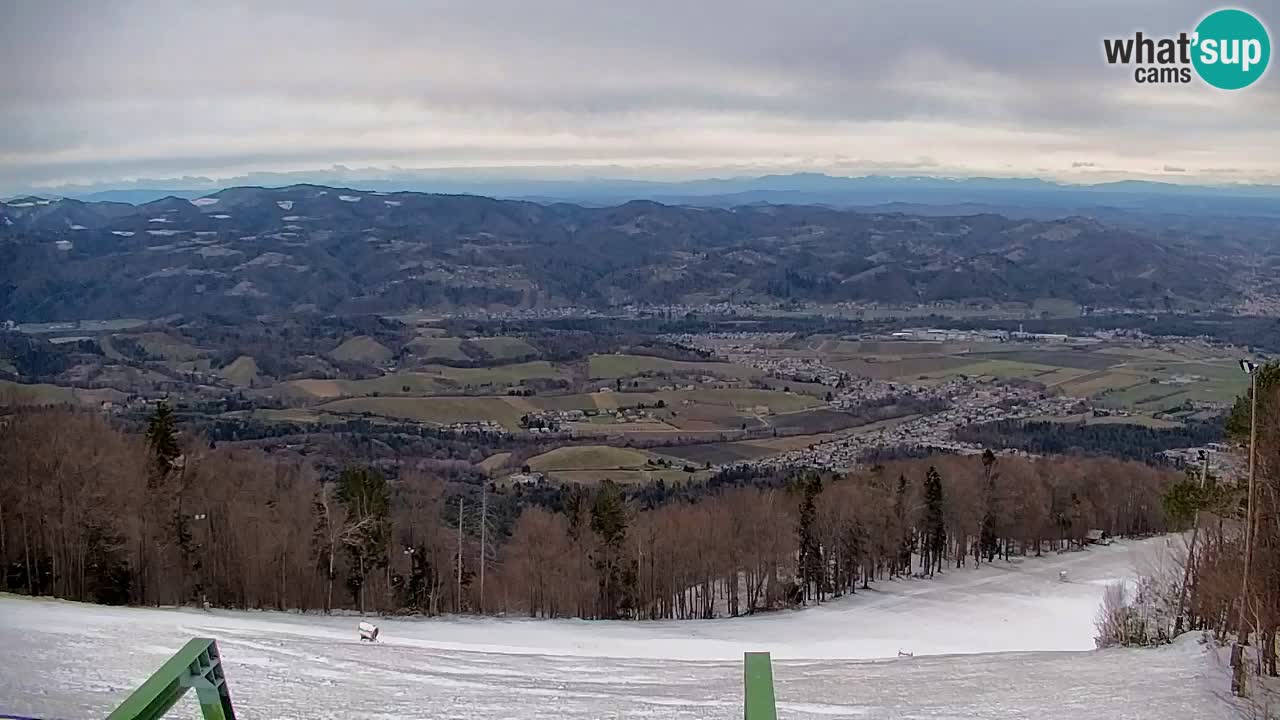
{"points": [[459, 606], [1191, 548], [484, 520]]}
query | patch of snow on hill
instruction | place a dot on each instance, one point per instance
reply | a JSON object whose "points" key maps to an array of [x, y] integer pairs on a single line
{"points": [[201, 202], [284, 204], [349, 198]]}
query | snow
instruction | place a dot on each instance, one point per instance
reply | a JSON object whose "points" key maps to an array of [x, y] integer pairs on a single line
{"points": [[160, 220], [71, 660], [123, 233], [7, 221], [163, 232], [201, 202], [220, 217], [349, 198], [292, 218], [392, 203], [79, 227], [284, 204], [21, 204], [63, 244]]}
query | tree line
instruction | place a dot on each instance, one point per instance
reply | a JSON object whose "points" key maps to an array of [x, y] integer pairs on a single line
{"points": [[91, 512]]}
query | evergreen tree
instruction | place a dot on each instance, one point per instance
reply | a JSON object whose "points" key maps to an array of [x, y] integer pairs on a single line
{"points": [[935, 522], [988, 541], [907, 545], [162, 441], [609, 523], [811, 565]]}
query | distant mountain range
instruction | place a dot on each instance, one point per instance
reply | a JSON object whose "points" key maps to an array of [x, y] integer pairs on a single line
{"points": [[1011, 196], [248, 251]]}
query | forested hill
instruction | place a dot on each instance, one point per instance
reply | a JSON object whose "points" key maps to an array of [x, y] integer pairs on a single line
{"points": [[249, 251], [1124, 440]]}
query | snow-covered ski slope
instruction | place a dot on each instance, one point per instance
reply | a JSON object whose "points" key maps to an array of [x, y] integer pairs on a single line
{"points": [[979, 638]]}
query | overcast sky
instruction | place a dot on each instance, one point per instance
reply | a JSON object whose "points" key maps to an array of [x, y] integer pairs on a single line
{"points": [[102, 91]]}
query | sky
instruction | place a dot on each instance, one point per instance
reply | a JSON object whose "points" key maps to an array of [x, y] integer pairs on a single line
{"points": [[96, 92]]}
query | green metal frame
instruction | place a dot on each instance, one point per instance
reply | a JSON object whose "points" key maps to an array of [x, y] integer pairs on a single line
{"points": [[758, 700], [197, 666]]}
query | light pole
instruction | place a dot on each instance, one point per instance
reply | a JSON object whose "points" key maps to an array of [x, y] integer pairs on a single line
{"points": [[1242, 632]]}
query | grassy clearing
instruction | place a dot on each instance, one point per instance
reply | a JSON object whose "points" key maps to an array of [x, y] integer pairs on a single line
{"points": [[437, 410], [442, 348], [362, 348], [494, 462], [505, 348], [13, 394], [501, 375], [608, 367], [1077, 359], [1094, 383], [906, 368], [1088, 419], [998, 369], [167, 347], [744, 399], [241, 372], [718, 453], [626, 477], [590, 457], [403, 383]]}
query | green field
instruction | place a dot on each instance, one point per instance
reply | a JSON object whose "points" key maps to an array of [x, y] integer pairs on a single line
{"points": [[442, 348], [505, 348], [500, 375], [12, 394], [403, 383], [609, 367], [362, 348], [437, 410], [241, 372], [167, 346], [743, 399]]}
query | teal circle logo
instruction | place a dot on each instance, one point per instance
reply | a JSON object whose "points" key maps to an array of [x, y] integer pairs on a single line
{"points": [[1232, 49]]}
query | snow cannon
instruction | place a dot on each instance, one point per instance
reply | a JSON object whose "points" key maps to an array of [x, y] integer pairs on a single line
{"points": [[368, 631]]}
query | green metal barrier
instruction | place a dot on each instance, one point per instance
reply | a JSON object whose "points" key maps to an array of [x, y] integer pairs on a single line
{"points": [[759, 703], [197, 666]]}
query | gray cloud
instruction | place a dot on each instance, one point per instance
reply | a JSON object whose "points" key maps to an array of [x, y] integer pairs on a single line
{"points": [[98, 91]]}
